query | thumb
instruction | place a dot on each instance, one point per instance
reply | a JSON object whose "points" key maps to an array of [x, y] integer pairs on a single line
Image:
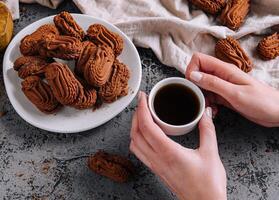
{"points": [[212, 83], [208, 140]]}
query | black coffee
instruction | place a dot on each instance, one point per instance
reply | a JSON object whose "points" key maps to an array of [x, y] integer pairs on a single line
{"points": [[176, 104]]}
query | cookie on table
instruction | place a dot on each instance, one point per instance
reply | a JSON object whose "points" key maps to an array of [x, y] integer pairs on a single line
{"points": [[209, 6], [60, 46], [40, 94], [117, 85], [114, 167], [229, 50], [268, 47], [29, 44], [100, 35], [68, 26], [234, 13]]}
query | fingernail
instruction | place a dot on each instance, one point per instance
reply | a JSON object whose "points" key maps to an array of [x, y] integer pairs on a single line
{"points": [[208, 112], [195, 76], [139, 95]]}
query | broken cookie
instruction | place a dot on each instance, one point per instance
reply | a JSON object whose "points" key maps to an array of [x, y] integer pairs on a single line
{"points": [[100, 35], [40, 94], [68, 26], [234, 13], [117, 85], [229, 50], [114, 167], [268, 47]]}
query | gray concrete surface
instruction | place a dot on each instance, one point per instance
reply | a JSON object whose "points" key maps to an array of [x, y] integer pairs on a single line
{"points": [[36, 164]]}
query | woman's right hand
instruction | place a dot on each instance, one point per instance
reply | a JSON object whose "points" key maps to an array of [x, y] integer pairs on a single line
{"points": [[235, 89]]}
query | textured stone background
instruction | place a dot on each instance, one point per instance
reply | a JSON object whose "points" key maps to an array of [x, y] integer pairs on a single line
{"points": [[36, 164]]}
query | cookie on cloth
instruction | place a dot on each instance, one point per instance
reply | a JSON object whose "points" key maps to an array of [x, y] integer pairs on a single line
{"points": [[229, 50], [268, 47], [234, 13], [209, 6]]}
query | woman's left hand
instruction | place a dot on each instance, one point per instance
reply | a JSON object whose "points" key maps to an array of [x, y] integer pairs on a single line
{"points": [[191, 174]]}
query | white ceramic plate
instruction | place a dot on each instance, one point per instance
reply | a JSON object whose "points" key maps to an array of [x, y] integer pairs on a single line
{"points": [[69, 120]]}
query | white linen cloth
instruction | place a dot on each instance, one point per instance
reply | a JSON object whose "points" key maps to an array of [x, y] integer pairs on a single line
{"points": [[13, 7], [174, 30], [48, 3]]}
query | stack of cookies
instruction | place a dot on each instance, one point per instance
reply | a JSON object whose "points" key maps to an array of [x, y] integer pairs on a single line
{"points": [[98, 75], [232, 13]]}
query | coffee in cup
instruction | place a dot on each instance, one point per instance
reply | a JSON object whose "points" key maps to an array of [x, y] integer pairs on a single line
{"points": [[176, 105]]}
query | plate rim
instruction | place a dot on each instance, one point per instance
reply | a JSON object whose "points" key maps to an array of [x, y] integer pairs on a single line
{"points": [[80, 129]]}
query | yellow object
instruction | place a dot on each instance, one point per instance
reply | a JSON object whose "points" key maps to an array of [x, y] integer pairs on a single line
{"points": [[6, 26]]}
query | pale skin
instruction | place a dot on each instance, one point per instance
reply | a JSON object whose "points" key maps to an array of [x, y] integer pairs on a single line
{"points": [[198, 174]]}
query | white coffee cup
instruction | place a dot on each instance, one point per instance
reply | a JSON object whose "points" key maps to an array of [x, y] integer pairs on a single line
{"points": [[173, 129]]}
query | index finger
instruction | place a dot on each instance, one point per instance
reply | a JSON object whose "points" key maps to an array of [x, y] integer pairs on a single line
{"points": [[208, 140], [214, 66]]}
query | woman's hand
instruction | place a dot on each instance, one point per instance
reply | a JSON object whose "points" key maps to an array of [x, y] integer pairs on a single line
{"points": [[191, 174], [235, 89]]}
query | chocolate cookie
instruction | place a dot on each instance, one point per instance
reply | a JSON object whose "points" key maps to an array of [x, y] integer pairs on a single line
{"points": [[234, 13], [86, 98], [114, 167], [68, 26], [209, 6], [88, 52], [229, 50], [29, 44], [40, 94], [117, 85], [63, 47], [30, 65], [95, 64], [100, 35], [63, 83], [268, 47]]}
